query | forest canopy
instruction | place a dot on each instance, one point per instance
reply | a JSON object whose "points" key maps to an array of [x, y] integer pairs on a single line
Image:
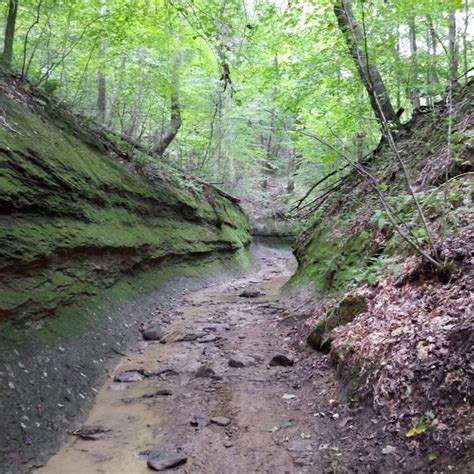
{"points": [[238, 92]]}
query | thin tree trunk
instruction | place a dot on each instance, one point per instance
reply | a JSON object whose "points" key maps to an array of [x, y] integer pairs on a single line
{"points": [[116, 96], [101, 81], [266, 162], [101, 86], [453, 50], [434, 52], [10, 32], [398, 76], [368, 72], [290, 183], [175, 124], [219, 133], [464, 39], [129, 131], [415, 96]]}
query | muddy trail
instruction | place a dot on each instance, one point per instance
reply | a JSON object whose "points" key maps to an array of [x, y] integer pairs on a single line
{"points": [[229, 388]]}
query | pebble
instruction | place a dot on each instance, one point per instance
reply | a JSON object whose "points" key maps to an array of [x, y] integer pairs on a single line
{"points": [[128, 376], [281, 360], [206, 372], [220, 421], [166, 458], [240, 361], [199, 421], [207, 338], [152, 334]]}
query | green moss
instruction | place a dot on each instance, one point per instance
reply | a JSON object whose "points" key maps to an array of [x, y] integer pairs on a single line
{"points": [[343, 313], [329, 263], [76, 221]]}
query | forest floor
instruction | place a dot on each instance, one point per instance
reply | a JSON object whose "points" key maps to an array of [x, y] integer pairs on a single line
{"points": [[208, 393]]}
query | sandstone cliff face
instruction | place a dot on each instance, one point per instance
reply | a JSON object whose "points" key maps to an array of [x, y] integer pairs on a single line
{"points": [[74, 220]]}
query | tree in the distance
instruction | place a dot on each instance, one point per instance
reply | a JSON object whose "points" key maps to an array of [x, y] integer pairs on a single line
{"points": [[7, 56]]}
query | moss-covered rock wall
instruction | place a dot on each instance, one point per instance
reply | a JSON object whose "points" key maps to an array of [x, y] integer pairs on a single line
{"points": [[74, 220]]}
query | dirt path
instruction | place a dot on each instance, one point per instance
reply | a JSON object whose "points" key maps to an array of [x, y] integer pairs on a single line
{"points": [[275, 419]]}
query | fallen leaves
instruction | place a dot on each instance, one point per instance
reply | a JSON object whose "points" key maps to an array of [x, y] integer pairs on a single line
{"points": [[413, 348]]}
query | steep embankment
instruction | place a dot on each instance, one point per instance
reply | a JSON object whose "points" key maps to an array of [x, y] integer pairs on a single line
{"points": [[74, 219], [402, 333]]}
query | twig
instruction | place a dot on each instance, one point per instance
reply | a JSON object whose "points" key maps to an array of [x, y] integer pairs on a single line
{"points": [[25, 43], [391, 214]]}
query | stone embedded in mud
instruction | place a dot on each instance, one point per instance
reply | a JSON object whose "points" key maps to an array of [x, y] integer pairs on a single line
{"points": [[166, 458], [343, 313], [207, 338], [239, 361], [206, 372], [128, 377], [152, 334], [251, 294], [92, 433], [200, 421], [220, 421], [281, 360], [193, 336], [164, 392], [118, 387]]}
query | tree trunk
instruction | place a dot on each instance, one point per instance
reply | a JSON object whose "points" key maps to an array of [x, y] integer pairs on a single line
{"points": [[415, 95], [101, 86], [218, 150], [399, 86], [453, 50], [268, 154], [10, 32], [434, 80], [175, 124], [464, 38], [175, 117], [290, 184], [117, 94], [368, 72]]}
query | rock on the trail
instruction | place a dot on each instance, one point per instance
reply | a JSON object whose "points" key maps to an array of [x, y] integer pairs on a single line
{"points": [[118, 387], [281, 360], [128, 376], [164, 392], [206, 372], [193, 336], [207, 338], [220, 420], [92, 433], [153, 334], [241, 360], [209, 328], [251, 294], [200, 421], [166, 458]]}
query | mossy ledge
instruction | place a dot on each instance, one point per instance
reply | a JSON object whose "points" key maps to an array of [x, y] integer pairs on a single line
{"points": [[74, 220]]}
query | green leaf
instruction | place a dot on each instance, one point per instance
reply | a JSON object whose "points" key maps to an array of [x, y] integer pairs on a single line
{"points": [[417, 429], [429, 415]]}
